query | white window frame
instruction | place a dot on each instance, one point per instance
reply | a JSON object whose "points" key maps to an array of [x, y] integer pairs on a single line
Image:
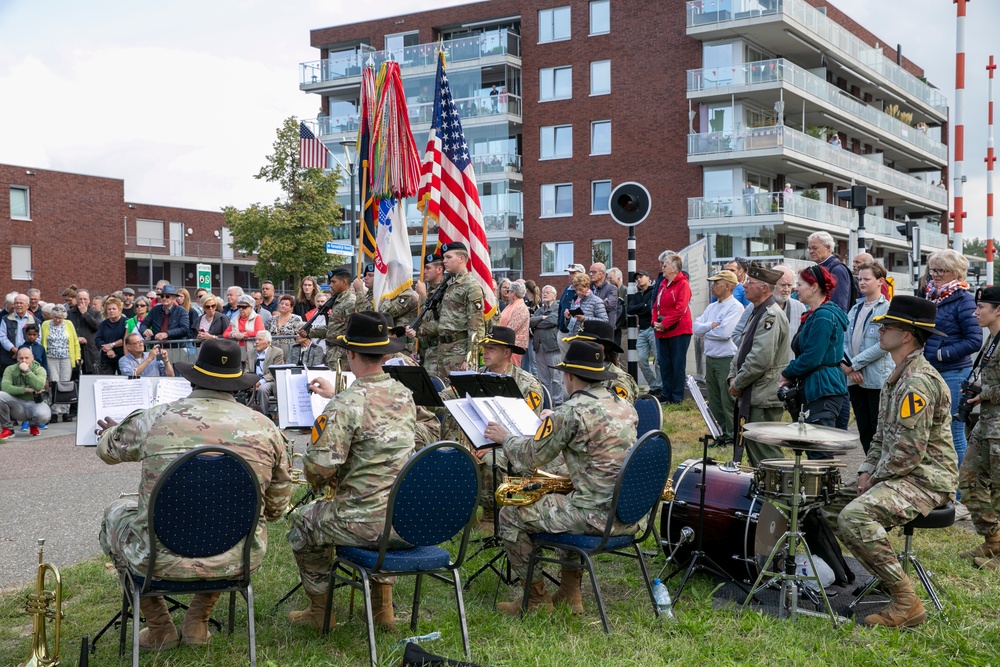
{"points": [[553, 138], [600, 122], [593, 92], [18, 263], [593, 185], [553, 72], [591, 22], [611, 248], [558, 271], [555, 200], [27, 202], [148, 241], [549, 16]]}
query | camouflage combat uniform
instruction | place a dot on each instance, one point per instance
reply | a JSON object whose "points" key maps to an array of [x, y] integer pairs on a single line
{"points": [[402, 308], [912, 462], [156, 437], [363, 302], [624, 385], [444, 340], [336, 325], [428, 429], [593, 430], [759, 375], [359, 445], [979, 476]]}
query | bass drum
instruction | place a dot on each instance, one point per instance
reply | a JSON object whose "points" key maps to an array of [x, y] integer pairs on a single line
{"points": [[740, 528]]}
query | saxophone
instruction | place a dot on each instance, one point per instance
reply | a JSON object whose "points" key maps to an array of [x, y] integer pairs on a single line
{"points": [[522, 491]]}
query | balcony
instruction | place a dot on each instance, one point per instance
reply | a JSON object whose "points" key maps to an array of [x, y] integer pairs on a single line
{"points": [[782, 144], [502, 217], [776, 208], [705, 18], [767, 74], [477, 49], [182, 250]]}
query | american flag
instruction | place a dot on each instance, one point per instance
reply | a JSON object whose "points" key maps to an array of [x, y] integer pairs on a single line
{"points": [[448, 191], [312, 152]]}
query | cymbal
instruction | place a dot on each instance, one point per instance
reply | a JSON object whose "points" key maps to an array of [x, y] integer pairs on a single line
{"points": [[805, 446], [798, 432]]}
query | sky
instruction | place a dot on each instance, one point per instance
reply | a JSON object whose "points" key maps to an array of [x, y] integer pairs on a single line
{"points": [[182, 99]]}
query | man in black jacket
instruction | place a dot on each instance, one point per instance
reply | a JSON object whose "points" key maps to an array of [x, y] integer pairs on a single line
{"points": [[86, 320], [640, 305], [166, 321]]}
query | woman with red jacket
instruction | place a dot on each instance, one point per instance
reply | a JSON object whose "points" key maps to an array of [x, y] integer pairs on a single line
{"points": [[672, 326]]}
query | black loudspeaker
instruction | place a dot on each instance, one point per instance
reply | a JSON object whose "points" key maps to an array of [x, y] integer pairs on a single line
{"points": [[629, 204]]}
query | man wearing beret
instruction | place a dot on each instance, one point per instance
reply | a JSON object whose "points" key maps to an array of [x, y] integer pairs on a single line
{"points": [[336, 319]]}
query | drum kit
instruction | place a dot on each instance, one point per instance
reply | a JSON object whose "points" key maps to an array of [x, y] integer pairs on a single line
{"points": [[748, 519]]}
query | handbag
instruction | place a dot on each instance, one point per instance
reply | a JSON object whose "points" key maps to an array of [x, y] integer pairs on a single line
{"points": [[64, 392]]}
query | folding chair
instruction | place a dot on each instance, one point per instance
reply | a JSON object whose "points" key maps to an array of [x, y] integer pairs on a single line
{"points": [[432, 500], [636, 496], [650, 414], [203, 504]]}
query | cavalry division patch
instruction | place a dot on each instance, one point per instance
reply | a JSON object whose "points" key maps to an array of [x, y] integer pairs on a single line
{"points": [[544, 430], [913, 403], [533, 399], [318, 427], [622, 392]]}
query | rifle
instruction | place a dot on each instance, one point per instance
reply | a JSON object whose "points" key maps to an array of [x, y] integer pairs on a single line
{"points": [[433, 301]]}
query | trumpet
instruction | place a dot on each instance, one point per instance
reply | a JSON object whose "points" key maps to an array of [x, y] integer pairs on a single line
{"points": [[44, 605], [472, 356], [339, 382], [523, 491]]}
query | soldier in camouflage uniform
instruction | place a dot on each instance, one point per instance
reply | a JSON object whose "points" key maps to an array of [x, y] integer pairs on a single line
{"points": [[434, 277], [359, 445], [979, 474], [602, 333], [401, 308], [593, 430], [363, 290], [755, 371], [911, 466], [336, 319], [156, 437]]}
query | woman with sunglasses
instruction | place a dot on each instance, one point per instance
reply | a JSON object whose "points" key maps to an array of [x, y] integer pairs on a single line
{"points": [[246, 324], [212, 323]]}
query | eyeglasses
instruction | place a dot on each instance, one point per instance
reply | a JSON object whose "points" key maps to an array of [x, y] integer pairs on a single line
{"points": [[937, 272], [242, 306]]}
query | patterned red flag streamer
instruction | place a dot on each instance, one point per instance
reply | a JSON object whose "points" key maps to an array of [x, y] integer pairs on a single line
{"points": [[395, 163]]}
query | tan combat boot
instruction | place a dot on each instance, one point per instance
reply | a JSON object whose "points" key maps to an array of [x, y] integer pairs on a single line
{"points": [[904, 609], [382, 611], [569, 589], [194, 629], [159, 633], [537, 597], [987, 563], [988, 549], [313, 616]]}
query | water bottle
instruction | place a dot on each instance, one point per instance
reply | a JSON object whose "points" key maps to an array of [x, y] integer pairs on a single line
{"points": [[417, 640], [663, 602]]}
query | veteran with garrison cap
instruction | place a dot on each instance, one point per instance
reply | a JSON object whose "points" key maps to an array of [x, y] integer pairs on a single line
{"points": [[756, 368], [911, 466], [593, 430], [602, 333], [359, 445], [339, 308], [155, 437]]}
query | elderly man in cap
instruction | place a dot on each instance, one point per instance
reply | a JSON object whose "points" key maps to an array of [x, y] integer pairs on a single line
{"points": [[602, 333], [344, 301], [911, 466], [716, 326], [155, 437], [166, 321], [593, 431], [359, 445], [755, 371], [566, 300]]}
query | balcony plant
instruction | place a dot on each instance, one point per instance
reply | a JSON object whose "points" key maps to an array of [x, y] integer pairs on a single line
{"points": [[812, 193], [818, 131]]}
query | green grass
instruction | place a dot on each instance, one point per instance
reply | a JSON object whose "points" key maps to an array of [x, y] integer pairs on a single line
{"points": [[700, 636]]}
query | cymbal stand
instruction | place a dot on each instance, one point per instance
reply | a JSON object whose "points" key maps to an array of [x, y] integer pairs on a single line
{"points": [[701, 561], [789, 543]]}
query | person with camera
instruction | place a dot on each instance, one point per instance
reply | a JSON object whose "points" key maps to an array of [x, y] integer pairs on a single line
{"points": [[911, 467], [979, 472], [136, 362]]}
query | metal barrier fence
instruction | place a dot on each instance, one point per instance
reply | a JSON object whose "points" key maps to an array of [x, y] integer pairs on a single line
{"points": [[186, 349]]}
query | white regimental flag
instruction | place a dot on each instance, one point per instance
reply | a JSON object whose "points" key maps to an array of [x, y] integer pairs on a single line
{"points": [[393, 264]]}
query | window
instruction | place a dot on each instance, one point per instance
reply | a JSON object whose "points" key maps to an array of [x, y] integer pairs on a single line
{"points": [[556, 83], [398, 42], [600, 251], [556, 256], [19, 205], [557, 142], [557, 200], [553, 24], [20, 262], [149, 233], [600, 196], [600, 17], [600, 77], [600, 137]]}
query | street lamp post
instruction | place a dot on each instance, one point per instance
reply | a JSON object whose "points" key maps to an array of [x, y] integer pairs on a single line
{"points": [[348, 144]]}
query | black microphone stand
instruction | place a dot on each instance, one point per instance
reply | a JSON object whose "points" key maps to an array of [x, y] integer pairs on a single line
{"points": [[503, 570]]}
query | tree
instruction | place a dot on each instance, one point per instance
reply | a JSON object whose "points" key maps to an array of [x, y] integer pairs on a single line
{"points": [[290, 235], [976, 247]]}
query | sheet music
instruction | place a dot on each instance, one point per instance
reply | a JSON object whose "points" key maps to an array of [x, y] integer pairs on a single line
{"points": [[299, 401], [119, 398], [171, 389], [317, 402], [469, 420], [513, 414], [473, 415]]}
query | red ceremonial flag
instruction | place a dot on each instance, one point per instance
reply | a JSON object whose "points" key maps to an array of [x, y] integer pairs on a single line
{"points": [[448, 191]]}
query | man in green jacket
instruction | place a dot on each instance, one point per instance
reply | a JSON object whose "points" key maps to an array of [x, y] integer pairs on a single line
{"points": [[21, 394]]}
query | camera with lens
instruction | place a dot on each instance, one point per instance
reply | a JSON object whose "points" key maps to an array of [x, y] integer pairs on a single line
{"points": [[969, 390], [789, 394]]}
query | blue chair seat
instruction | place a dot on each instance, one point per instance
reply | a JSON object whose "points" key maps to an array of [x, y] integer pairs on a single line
{"points": [[584, 541], [398, 560], [186, 586]]}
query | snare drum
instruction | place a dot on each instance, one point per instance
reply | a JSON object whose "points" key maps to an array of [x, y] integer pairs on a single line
{"points": [[774, 479], [740, 529]]}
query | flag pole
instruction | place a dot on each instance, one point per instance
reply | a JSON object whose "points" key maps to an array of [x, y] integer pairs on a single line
{"points": [[362, 228], [423, 246]]}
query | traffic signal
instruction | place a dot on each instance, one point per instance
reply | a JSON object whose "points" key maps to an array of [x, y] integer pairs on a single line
{"points": [[906, 229], [857, 195]]}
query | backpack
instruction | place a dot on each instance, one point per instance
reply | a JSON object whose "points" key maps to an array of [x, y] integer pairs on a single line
{"points": [[855, 288]]}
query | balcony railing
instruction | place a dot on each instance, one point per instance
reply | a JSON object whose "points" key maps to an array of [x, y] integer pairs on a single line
{"points": [[501, 213], [781, 70], [705, 12], [463, 49], [166, 248], [779, 136]]}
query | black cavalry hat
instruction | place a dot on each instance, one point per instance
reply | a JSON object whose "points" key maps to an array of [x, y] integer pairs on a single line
{"points": [[988, 295], [368, 333], [597, 331], [504, 336], [585, 359], [920, 314], [219, 366]]}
